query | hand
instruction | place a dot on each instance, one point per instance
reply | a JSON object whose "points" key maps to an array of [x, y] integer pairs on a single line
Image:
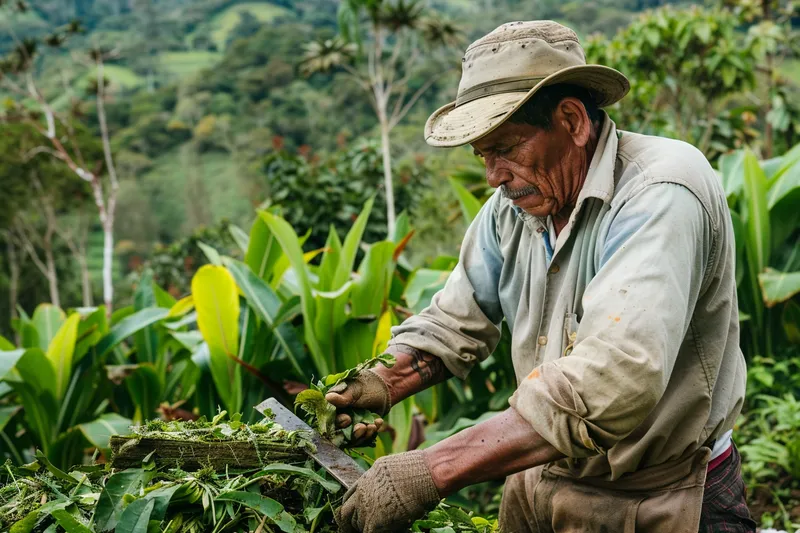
{"points": [[395, 492], [366, 391]]}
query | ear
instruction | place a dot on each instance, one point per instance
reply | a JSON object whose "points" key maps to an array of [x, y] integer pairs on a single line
{"points": [[572, 116]]}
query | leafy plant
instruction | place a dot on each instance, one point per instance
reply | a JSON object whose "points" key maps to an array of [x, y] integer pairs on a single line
{"points": [[321, 415]]}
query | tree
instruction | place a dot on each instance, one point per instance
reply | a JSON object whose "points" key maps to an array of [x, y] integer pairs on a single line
{"points": [[17, 76], [385, 65]]}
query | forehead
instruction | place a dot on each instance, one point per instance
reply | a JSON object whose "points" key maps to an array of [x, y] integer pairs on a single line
{"points": [[507, 132]]}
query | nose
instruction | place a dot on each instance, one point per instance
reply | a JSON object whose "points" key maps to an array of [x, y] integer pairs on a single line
{"points": [[496, 177]]}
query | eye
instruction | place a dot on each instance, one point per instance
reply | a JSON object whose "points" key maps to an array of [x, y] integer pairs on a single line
{"points": [[475, 152], [504, 151]]}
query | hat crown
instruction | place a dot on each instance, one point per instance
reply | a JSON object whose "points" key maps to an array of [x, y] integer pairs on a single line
{"points": [[516, 56]]}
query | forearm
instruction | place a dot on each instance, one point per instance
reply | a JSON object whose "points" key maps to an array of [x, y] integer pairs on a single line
{"points": [[413, 372], [501, 446]]}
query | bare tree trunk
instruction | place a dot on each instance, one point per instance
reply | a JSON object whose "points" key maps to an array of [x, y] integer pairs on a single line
{"points": [[28, 240], [50, 263], [387, 177], [86, 279], [13, 280]]}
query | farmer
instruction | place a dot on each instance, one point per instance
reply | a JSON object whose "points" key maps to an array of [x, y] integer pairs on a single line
{"points": [[611, 257]]}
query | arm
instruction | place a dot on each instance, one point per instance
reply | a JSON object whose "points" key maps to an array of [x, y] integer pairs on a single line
{"points": [[501, 446]]}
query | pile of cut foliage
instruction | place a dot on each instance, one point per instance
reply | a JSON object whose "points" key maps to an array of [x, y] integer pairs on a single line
{"points": [[291, 496]]}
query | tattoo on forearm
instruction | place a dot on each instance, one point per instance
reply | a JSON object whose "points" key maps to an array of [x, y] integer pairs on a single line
{"points": [[429, 367]]}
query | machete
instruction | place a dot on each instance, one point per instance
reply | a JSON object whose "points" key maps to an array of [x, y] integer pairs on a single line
{"points": [[341, 466]]}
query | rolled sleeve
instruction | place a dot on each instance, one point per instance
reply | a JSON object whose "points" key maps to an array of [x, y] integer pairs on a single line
{"points": [[636, 312], [462, 324]]}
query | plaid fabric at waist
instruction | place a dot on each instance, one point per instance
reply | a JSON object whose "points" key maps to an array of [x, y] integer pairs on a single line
{"points": [[724, 503]]}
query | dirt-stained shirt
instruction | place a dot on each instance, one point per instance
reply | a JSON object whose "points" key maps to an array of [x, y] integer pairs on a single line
{"points": [[625, 334]]}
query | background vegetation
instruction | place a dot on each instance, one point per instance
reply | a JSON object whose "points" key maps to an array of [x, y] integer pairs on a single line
{"points": [[195, 211]]}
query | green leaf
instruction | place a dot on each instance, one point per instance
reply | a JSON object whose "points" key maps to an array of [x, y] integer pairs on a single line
{"points": [[162, 297], [777, 286], [314, 403], [217, 302], [327, 484], [330, 261], [127, 327], [422, 285], [99, 431], [60, 352], [265, 506], [146, 388], [402, 227], [401, 419], [469, 204], [47, 318], [37, 392], [111, 502], [790, 321], [267, 305], [90, 330], [211, 253], [288, 241], [263, 250], [7, 413], [146, 339], [136, 516], [68, 521], [241, 238], [371, 289], [5, 346], [731, 167], [350, 247]]}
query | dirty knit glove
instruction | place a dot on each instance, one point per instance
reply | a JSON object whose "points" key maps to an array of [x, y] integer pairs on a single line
{"points": [[390, 496], [366, 391]]}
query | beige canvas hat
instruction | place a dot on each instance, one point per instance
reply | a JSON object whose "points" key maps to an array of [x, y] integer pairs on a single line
{"points": [[504, 69]]}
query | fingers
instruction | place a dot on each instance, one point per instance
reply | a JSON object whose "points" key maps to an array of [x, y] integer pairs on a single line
{"points": [[343, 420]]}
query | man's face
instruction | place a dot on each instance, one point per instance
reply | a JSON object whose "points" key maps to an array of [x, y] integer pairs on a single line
{"points": [[540, 170]]}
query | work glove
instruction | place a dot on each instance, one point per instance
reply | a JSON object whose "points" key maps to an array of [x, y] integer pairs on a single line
{"points": [[390, 496], [367, 391]]}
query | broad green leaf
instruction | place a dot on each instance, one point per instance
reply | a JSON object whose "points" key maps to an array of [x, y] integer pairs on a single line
{"points": [[7, 413], [146, 339], [217, 302], [30, 337], [99, 431], [35, 369], [8, 359], [136, 516], [57, 472], [731, 170], [350, 247], [162, 297], [786, 177], [758, 230], [424, 282], [288, 241], [111, 503], [384, 333], [263, 250], [35, 384], [60, 353], [128, 326], [327, 484], [146, 388], [47, 318], [265, 506], [402, 227], [161, 498], [330, 261], [211, 253], [267, 305], [189, 339], [777, 286], [354, 342], [371, 288], [241, 238], [90, 330], [401, 419], [790, 321], [469, 204], [181, 307], [6, 345], [68, 521]]}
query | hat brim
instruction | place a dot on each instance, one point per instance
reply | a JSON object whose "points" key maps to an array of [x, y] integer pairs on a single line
{"points": [[455, 126]]}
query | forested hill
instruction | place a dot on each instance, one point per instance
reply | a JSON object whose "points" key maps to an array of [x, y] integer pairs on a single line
{"points": [[202, 93]]}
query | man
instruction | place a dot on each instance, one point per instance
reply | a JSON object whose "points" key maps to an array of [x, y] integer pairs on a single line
{"points": [[611, 257]]}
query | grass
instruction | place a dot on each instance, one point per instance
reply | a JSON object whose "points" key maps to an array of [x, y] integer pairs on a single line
{"points": [[224, 22], [185, 63]]}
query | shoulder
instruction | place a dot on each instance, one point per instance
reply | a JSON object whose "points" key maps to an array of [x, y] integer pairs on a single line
{"points": [[646, 161]]}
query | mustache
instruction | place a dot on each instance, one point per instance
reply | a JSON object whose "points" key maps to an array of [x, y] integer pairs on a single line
{"points": [[515, 194]]}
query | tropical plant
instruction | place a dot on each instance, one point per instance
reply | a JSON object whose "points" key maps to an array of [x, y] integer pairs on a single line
{"points": [[763, 197], [384, 67]]}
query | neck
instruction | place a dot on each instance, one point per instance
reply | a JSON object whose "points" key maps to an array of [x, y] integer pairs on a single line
{"points": [[561, 219]]}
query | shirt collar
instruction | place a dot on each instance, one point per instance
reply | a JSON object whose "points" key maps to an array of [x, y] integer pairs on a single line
{"points": [[600, 178]]}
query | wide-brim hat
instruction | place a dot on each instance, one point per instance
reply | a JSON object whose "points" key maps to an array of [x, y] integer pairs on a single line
{"points": [[506, 68]]}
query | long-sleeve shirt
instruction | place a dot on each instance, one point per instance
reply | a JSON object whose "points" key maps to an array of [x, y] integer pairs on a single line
{"points": [[625, 334]]}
